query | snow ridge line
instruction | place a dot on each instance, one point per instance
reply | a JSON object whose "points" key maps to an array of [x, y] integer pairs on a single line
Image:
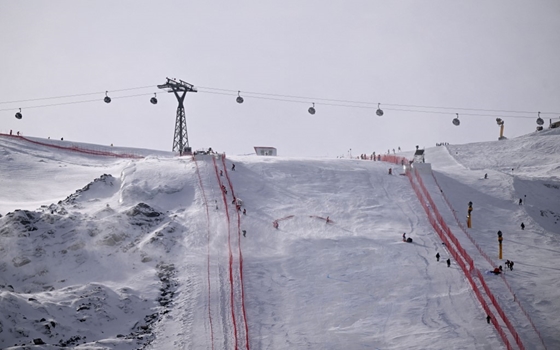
{"points": [[468, 273], [243, 311], [208, 250], [232, 297], [78, 149], [489, 260]]}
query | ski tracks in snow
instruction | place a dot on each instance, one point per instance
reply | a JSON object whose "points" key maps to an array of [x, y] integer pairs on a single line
{"points": [[226, 310]]}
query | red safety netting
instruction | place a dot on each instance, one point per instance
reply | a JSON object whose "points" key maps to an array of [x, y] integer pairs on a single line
{"points": [[489, 260], [207, 251], [230, 256], [464, 261], [244, 313], [79, 149]]}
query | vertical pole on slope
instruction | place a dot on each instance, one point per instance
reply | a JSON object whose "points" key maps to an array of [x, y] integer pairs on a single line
{"points": [[500, 239], [180, 138], [500, 123], [469, 214]]}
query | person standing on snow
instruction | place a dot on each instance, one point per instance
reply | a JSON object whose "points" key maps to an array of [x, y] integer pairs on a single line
{"points": [[232, 167], [522, 226], [437, 256], [448, 262]]}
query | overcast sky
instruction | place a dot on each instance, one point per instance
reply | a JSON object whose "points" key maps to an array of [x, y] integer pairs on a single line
{"points": [[486, 55]]}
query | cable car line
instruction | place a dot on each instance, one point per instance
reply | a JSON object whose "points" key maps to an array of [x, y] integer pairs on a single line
{"points": [[75, 95], [293, 99], [76, 102], [369, 103]]}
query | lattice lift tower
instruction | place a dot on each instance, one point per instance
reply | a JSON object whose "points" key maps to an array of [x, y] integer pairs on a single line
{"points": [[180, 89]]}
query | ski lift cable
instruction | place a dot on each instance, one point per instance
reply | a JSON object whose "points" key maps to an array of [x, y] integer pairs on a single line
{"points": [[368, 107], [370, 103], [255, 97], [278, 99], [76, 95], [469, 114], [293, 99], [76, 102]]}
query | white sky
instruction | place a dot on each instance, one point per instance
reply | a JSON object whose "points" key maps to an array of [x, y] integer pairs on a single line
{"points": [[500, 55]]}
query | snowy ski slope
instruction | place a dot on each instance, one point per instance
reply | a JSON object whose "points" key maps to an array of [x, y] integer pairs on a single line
{"points": [[152, 256]]}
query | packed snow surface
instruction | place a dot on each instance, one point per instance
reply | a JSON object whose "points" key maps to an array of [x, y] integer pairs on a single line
{"points": [[109, 253]]}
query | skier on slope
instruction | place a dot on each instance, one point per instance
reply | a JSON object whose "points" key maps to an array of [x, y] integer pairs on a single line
{"points": [[232, 167], [437, 256]]}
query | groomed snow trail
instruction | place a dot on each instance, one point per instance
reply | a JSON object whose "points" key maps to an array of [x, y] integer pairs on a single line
{"points": [[348, 284], [224, 257]]}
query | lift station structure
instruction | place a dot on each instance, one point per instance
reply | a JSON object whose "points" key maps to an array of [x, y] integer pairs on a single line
{"points": [[180, 138]]}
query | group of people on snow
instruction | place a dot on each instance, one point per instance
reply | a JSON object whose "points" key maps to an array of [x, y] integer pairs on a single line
{"points": [[509, 264], [235, 201]]}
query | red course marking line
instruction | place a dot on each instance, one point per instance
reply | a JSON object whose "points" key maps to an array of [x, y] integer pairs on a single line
{"points": [[240, 259], [489, 260], [208, 250], [230, 255], [79, 149], [440, 226]]}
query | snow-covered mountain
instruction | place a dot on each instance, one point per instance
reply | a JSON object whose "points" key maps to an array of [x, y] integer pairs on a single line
{"points": [[150, 252]]}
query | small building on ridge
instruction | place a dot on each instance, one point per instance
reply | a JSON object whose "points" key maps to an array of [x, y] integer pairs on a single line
{"points": [[265, 151]]}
